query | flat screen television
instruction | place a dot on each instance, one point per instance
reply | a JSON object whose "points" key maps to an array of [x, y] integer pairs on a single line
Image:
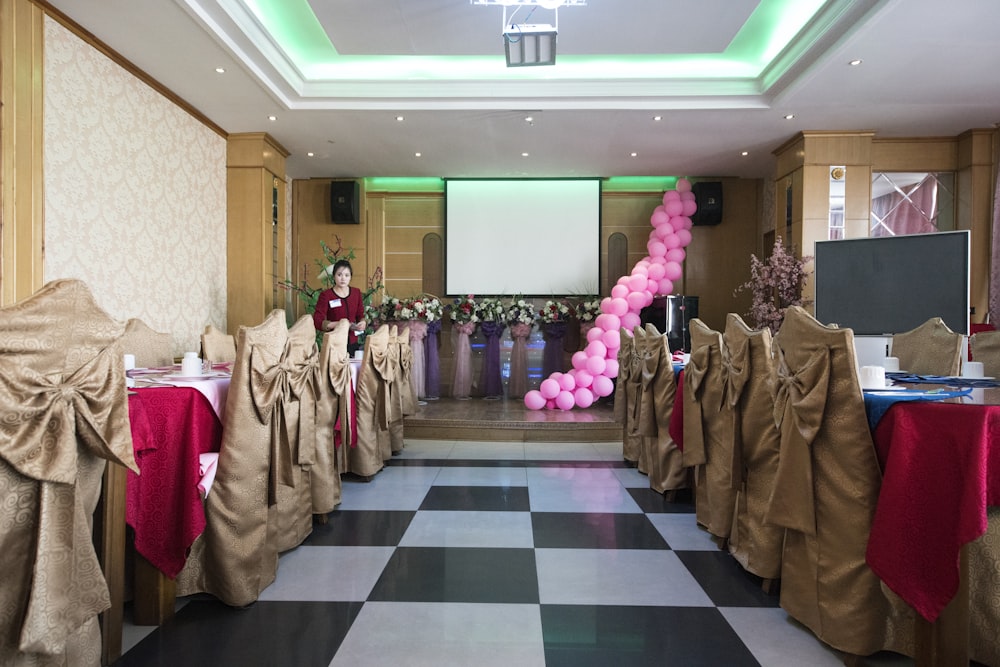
{"points": [[891, 284], [528, 237]]}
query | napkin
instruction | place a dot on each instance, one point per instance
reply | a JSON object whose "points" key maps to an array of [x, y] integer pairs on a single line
{"points": [[951, 381], [877, 402]]}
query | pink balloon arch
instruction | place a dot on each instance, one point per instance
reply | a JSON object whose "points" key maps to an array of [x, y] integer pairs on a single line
{"points": [[596, 365]]}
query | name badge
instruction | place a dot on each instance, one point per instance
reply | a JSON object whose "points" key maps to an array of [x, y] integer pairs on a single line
{"points": [[335, 303]]}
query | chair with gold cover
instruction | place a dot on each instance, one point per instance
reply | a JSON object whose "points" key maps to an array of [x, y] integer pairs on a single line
{"points": [[930, 349], [333, 419], [403, 390], [236, 557], [217, 346], [825, 492], [372, 397], [708, 431], [151, 348], [660, 457], [626, 396], [749, 376], [986, 349], [63, 415]]}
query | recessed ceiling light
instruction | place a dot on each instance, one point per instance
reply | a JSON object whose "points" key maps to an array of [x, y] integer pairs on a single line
{"points": [[633, 153], [400, 119], [524, 154], [310, 154], [220, 70], [789, 116], [272, 118], [855, 62], [529, 119], [416, 155], [745, 153], [657, 117]]}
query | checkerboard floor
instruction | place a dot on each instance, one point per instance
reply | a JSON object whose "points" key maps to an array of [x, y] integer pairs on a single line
{"points": [[496, 553]]}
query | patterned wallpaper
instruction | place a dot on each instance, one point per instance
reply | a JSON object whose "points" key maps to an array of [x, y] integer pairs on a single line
{"points": [[135, 194]]}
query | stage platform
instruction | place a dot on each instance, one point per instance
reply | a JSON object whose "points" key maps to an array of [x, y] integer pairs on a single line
{"points": [[508, 420]]}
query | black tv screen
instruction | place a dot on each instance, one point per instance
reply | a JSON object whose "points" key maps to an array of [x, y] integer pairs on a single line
{"points": [[892, 284]]}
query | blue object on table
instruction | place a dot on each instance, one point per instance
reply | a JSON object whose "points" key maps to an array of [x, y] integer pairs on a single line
{"points": [[949, 380], [877, 402]]}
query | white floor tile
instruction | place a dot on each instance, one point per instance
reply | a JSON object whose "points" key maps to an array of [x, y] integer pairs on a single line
{"points": [[578, 490], [373, 496], [616, 577], [682, 532], [560, 451], [631, 478], [328, 573], [775, 639], [503, 451], [469, 529], [499, 476], [443, 635], [426, 449]]}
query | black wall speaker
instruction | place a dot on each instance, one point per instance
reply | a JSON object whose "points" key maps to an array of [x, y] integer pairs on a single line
{"points": [[344, 201], [708, 195]]}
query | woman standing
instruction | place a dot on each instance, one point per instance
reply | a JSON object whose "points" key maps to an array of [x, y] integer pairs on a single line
{"points": [[341, 302]]}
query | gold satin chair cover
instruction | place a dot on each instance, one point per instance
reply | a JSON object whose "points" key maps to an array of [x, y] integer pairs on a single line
{"points": [[152, 349], [237, 556], [372, 397], [63, 414], [708, 429], [333, 403], [750, 402], [403, 391], [986, 349], [218, 346], [930, 349], [984, 592], [825, 493], [625, 398], [659, 456]]}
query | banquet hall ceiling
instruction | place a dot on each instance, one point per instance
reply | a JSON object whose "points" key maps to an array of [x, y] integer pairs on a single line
{"points": [[721, 76]]}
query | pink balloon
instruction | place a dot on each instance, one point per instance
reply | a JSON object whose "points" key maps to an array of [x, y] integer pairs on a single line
{"points": [[672, 271], [606, 304], [631, 320], [567, 382], [671, 242], [640, 269], [550, 404], [595, 332], [611, 368], [669, 196], [677, 222], [683, 185], [636, 283], [635, 301], [647, 298], [579, 359], [596, 348], [596, 365], [612, 340], [652, 286], [549, 388], [656, 249], [584, 378], [685, 237], [565, 400], [603, 386], [688, 207], [673, 207], [608, 322], [619, 305], [583, 397], [655, 272], [676, 255], [623, 281], [534, 400], [619, 292], [665, 286], [659, 217]]}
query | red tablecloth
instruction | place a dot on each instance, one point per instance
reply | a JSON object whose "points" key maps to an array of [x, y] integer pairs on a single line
{"points": [[171, 426], [940, 473]]}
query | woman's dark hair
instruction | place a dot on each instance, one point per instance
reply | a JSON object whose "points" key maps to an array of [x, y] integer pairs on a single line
{"points": [[339, 264]]}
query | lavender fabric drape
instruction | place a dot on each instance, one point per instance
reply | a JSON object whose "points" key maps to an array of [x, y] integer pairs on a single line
{"points": [[418, 332], [489, 376], [517, 386], [461, 386], [432, 365], [552, 355]]}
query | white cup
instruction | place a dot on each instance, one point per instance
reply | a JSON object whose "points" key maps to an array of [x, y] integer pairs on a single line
{"points": [[891, 364], [872, 377], [129, 361], [972, 369], [190, 366], [359, 354], [190, 355]]}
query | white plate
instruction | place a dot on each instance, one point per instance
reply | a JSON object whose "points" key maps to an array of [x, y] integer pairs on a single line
{"points": [[885, 388]]}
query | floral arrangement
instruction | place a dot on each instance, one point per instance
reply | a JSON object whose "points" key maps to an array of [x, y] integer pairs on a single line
{"points": [[588, 310], [520, 312], [555, 311], [491, 310], [774, 285], [463, 310]]}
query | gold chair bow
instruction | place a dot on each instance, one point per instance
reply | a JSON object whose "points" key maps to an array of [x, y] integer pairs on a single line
{"points": [[695, 372], [736, 369], [799, 405]]}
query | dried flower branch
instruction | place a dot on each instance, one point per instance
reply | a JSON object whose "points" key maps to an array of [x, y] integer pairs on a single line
{"points": [[774, 285]]}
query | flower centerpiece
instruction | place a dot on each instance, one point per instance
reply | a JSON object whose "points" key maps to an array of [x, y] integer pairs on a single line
{"points": [[587, 310], [463, 310], [775, 284], [555, 311], [554, 315]]}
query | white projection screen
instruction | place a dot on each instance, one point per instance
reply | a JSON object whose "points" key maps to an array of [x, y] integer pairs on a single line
{"points": [[529, 237]]}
